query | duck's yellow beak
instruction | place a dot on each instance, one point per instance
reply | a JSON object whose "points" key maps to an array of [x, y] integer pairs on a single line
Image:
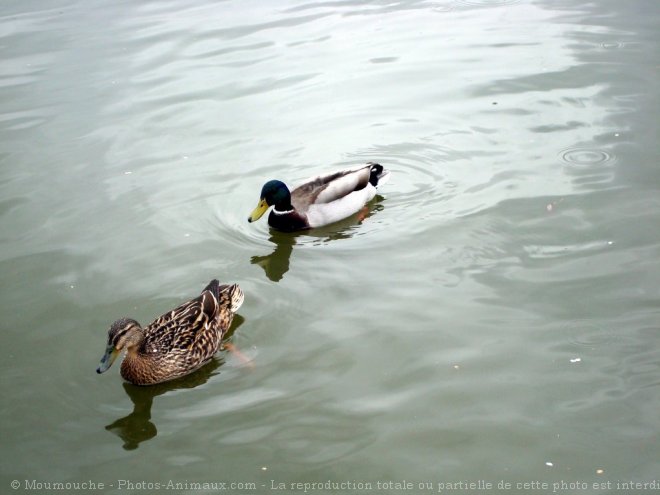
{"points": [[109, 357], [258, 212]]}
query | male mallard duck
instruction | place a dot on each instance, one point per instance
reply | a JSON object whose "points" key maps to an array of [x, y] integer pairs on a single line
{"points": [[177, 343], [320, 201]]}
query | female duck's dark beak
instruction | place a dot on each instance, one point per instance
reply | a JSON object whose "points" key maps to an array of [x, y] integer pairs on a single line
{"points": [[108, 358]]}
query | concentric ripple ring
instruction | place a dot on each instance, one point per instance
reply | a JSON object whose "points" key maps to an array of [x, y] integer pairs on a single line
{"points": [[585, 156]]}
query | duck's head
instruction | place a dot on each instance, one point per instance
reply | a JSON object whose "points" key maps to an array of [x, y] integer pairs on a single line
{"points": [[274, 193], [123, 333]]}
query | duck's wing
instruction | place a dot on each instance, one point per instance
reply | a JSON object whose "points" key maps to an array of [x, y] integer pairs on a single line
{"points": [[330, 187], [195, 328]]}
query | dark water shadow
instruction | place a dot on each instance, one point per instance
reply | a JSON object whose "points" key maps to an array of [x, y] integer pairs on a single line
{"points": [[137, 427], [276, 264]]}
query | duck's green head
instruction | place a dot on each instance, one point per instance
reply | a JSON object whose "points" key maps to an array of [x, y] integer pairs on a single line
{"points": [[274, 193]]}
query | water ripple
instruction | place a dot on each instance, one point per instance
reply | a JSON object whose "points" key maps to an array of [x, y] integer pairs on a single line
{"points": [[556, 251], [587, 335], [216, 406], [612, 45], [487, 3], [585, 156]]}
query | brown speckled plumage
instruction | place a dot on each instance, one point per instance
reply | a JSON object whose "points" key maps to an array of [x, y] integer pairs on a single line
{"points": [[178, 342]]}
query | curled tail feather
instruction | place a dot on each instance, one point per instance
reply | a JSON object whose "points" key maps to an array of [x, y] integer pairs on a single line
{"points": [[233, 292], [377, 174]]}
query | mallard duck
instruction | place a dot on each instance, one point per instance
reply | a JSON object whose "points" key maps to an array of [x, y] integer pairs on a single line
{"points": [[321, 200], [177, 343]]}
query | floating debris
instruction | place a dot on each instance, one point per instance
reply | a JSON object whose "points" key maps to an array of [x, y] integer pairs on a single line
{"points": [[575, 360], [551, 206]]}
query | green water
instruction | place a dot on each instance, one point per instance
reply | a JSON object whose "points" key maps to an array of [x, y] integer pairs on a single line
{"points": [[494, 319]]}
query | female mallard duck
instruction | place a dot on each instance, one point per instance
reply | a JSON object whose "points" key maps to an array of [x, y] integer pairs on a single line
{"points": [[177, 343], [320, 201]]}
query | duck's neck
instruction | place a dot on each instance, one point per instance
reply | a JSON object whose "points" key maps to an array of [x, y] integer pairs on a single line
{"points": [[135, 339], [283, 205], [283, 210], [138, 366], [135, 355]]}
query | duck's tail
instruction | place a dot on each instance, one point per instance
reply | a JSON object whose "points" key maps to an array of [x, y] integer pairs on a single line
{"points": [[378, 175], [235, 294], [230, 293]]}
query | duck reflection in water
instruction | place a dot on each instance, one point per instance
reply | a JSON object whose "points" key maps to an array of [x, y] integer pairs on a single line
{"points": [[137, 426], [276, 264]]}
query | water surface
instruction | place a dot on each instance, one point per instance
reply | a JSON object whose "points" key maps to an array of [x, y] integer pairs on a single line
{"points": [[494, 317]]}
